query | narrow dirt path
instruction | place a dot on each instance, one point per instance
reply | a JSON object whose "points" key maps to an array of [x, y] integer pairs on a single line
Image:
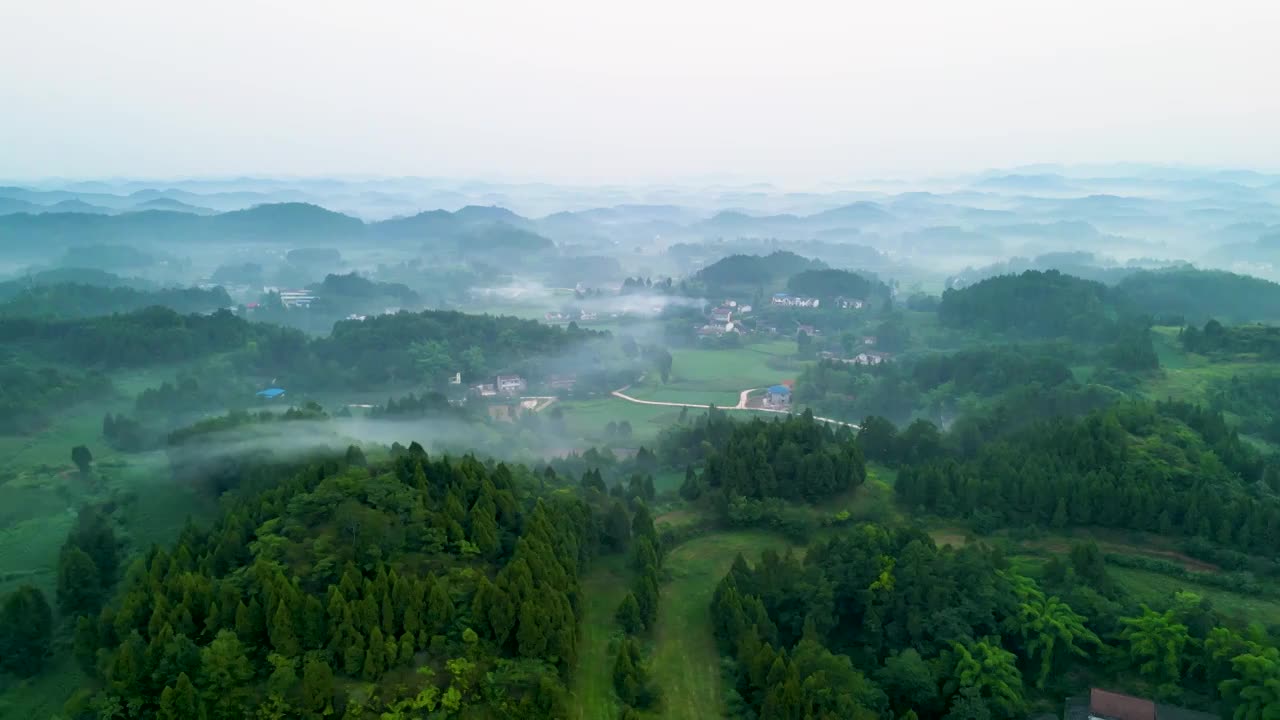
{"points": [[620, 393]]}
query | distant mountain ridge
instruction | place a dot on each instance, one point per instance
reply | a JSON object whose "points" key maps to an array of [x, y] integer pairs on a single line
{"points": [[289, 223]]}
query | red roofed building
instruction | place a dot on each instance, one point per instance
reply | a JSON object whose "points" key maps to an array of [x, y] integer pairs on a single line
{"points": [[1107, 705], [1104, 705]]}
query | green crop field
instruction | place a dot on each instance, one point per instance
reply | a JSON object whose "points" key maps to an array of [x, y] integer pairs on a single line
{"points": [[602, 591], [685, 662]]}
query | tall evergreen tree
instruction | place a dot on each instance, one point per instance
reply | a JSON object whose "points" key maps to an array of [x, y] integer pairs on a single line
{"points": [[180, 701], [79, 584], [26, 631]]}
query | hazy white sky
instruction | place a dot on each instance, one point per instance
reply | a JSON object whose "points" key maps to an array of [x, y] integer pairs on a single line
{"points": [[609, 91]]}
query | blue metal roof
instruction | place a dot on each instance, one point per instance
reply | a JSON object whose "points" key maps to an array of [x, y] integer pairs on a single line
{"points": [[779, 390], [271, 392]]}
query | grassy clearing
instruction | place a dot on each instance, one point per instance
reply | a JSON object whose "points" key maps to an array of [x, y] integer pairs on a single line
{"points": [[1147, 586], [588, 418], [602, 590], [685, 661], [870, 502], [1188, 376], [40, 495], [668, 481], [42, 697], [1157, 588], [718, 376]]}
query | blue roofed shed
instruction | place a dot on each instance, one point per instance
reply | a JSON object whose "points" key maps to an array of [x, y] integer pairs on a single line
{"points": [[271, 393], [778, 396]]}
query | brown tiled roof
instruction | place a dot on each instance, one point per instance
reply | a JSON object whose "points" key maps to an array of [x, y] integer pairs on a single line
{"points": [[1120, 707]]}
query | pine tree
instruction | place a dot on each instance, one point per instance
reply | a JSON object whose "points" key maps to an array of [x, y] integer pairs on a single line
{"points": [[388, 617], [406, 649], [283, 638], [690, 489], [180, 702], [532, 633], [628, 615], [87, 643], [646, 594], [353, 653], [249, 623], [79, 584], [624, 673], [439, 607], [317, 688], [375, 658], [1060, 518], [617, 526], [644, 555], [26, 631], [93, 534], [642, 525], [314, 628], [484, 527], [226, 674]]}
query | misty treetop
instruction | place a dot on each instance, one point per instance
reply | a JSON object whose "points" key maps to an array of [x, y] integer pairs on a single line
{"points": [[426, 347], [937, 385], [1033, 304], [1196, 296], [354, 287], [69, 301], [753, 271], [430, 346], [71, 275], [829, 284], [30, 395], [1216, 339]]}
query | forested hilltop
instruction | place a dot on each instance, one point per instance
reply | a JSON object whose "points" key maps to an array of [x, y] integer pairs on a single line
{"points": [[428, 346], [401, 588]]}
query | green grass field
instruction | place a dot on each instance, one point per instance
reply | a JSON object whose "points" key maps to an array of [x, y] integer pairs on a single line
{"points": [[1157, 588], [602, 591], [42, 697], [685, 661], [718, 376], [870, 502], [1188, 376], [40, 494], [587, 418]]}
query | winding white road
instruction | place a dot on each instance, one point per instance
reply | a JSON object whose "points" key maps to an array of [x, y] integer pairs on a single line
{"points": [[742, 405]]}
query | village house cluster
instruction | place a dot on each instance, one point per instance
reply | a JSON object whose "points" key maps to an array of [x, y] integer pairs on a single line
{"points": [[580, 316], [786, 300], [723, 318], [507, 385]]}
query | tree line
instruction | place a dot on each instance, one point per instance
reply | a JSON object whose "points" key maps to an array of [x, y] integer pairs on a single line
{"points": [[1171, 468], [427, 347], [31, 394], [881, 622]]}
